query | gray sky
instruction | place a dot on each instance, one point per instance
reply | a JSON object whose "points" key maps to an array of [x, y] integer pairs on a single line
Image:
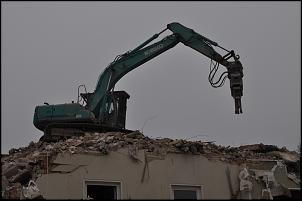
{"points": [[49, 48]]}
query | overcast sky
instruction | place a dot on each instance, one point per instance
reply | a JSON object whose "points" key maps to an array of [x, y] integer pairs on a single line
{"points": [[49, 48]]}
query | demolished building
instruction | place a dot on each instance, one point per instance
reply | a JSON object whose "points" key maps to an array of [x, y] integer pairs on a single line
{"points": [[133, 166]]}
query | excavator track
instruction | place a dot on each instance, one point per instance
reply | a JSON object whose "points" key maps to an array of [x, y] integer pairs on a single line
{"points": [[57, 131]]}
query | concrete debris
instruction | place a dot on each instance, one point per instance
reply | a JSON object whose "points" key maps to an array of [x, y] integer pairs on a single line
{"points": [[49, 147], [259, 148], [23, 176], [71, 149], [245, 183], [133, 151], [103, 148], [266, 194], [294, 178], [11, 170], [31, 191], [135, 135], [269, 176], [23, 165], [13, 191]]}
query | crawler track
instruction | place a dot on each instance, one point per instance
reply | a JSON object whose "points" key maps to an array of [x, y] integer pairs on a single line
{"points": [[58, 131]]}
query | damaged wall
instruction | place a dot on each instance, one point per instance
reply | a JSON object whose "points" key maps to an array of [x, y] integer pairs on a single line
{"points": [[267, 179], [136, 183]]}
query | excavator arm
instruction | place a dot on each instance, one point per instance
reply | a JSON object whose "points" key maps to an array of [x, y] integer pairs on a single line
{"points": [[133, 59], [121, 66], [204, 45]]}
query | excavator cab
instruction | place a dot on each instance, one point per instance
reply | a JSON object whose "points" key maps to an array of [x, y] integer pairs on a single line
{"points": [[116, 107], [114, 114]]}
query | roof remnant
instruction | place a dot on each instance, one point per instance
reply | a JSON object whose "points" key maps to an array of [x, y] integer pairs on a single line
{"points": [[24, 164]]}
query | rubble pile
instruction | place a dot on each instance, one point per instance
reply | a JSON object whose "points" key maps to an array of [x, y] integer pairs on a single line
{"points": [[22, 166]]}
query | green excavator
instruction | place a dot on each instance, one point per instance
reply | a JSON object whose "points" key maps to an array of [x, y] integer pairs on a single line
{"points": [[104, 110]]}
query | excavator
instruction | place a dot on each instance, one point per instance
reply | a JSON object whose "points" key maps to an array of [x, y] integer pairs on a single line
{"points": [[104, 110]]}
